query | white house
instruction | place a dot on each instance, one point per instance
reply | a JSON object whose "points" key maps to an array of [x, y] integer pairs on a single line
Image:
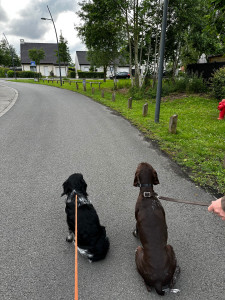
{"points": [[48, 64], [82, 64]]}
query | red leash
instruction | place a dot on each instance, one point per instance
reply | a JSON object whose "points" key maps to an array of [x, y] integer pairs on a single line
{"points": [[76, 264]]}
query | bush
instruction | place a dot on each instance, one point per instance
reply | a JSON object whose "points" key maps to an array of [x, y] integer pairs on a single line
{"points": [[196, 84], [3, 72], [23, 74], [72, 74], [82, 74], [218, 84]]}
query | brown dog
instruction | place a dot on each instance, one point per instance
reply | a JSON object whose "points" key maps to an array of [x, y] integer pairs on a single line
{"points": [[155, 260]]}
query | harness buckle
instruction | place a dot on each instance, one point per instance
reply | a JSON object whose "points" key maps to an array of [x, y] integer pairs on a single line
{"points": [[147, 194]]}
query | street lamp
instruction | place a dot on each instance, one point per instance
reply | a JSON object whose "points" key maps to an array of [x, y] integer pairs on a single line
{"points": [[162, 50], [57, 42], [11, 52]]}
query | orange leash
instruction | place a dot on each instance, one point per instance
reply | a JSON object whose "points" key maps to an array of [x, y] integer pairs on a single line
{"points": [[76, 264]]}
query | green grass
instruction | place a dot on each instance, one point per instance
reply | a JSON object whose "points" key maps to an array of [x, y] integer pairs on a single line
{"points": [[199, 144]]}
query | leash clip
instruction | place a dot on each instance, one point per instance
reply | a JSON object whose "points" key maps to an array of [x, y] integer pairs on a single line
{"points": [[147, 194]]}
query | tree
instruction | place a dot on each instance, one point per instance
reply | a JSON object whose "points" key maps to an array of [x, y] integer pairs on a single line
{"points": [[7, 54], [36, 55], [101, 31], [64, 52]]}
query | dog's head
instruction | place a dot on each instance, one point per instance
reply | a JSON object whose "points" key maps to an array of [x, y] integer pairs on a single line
{"points": [[75, 182], [145, 174]]}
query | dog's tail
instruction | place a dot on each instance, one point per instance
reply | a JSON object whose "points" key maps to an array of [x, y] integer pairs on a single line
{"points": [[158, 288]]}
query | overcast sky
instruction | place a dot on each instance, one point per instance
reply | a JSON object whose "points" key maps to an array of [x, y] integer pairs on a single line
{"points": [[21, 19]]}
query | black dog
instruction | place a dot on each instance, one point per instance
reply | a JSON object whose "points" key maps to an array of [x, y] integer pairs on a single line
{"points": [[91, 236]]}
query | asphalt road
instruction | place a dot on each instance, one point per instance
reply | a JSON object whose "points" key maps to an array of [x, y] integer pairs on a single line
{"points": [[47, 135]]}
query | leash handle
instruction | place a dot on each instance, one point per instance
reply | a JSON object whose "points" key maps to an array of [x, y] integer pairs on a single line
{"points": [[76, 264], [181, 201]]}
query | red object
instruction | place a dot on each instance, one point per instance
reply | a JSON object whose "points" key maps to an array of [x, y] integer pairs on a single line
{"points": [[221, 107]]}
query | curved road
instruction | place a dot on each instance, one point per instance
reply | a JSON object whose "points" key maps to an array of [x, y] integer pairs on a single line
{"points": [[50, 133]]}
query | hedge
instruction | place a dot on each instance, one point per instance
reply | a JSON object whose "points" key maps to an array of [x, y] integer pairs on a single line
{"points": [[82, 74], [23, 74]]}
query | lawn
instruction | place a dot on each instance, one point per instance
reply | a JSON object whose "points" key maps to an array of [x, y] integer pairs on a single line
{"points": [[199, 144]]}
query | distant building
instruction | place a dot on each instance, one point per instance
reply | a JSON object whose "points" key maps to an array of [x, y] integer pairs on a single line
{"points": [[216, 58], [83, 64], [48, 64]]}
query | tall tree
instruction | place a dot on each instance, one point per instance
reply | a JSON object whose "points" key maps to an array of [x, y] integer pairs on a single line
{"points": [[64, 52], [7, 53], [101, 31], [37, 55]]}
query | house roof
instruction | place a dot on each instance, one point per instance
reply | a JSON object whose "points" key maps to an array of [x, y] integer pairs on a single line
{"points": [[83, 60], [49, 49]]}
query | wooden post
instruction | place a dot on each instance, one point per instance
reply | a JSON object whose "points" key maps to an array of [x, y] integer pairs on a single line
{"points": [[113, 97], [130, 103], [84, 85], [103, 94], [93, 90], [77, 85], [173, 124], [99, 84], [145, 110]]}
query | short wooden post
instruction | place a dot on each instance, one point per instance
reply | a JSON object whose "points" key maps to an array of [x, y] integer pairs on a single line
{"points": [[145, 110], [77, 85], [84, 85], [69, 82], [113, 97], [99, 85], [93, 90], [173, 124], [102, 93], [130, 103]]}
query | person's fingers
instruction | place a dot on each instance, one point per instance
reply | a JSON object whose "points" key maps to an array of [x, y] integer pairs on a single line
{"points": [[210, 208]]}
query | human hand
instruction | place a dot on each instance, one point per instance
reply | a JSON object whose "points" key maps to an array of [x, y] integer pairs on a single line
{"points": [[216, 207]]}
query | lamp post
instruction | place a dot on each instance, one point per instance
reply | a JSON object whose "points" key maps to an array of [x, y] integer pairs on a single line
{"points": [[11, 55], [162, 50], [57, 42]]}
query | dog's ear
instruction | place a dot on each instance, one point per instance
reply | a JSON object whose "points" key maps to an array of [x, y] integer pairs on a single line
{"points": [[136, 181], [155, 178], [83, 186], [65, 188]]}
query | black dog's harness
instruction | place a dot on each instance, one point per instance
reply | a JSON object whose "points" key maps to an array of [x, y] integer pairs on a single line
{"points": [[81, 200]]}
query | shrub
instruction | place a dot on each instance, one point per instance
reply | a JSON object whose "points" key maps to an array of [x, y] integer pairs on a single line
{"points": [[23, 74], [71, 74], [82, 74], [218, 83], [196, 84], [3, 72]]}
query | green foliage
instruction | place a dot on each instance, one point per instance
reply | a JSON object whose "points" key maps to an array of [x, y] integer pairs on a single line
{"points": [[71, 74], [64, 51], [3, 72], [218, 84], [7, 53], [83, 74], [36, 55], [24, 74]]}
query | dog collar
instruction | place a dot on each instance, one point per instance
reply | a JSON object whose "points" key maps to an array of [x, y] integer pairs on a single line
{"points": [[145, 185]]}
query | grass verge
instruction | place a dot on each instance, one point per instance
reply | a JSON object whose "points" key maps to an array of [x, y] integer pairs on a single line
{"points": [[199, 144]]}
